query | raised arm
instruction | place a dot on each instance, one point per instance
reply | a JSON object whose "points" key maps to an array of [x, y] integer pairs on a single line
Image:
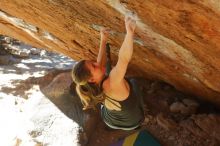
{"points": [[125, 53], [101, 59]]}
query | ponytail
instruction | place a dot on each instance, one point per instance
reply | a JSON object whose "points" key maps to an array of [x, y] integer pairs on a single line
{"points": [[89, 93]]}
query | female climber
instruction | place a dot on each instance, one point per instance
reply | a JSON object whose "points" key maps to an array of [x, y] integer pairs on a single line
{"points": [[96, 82]]}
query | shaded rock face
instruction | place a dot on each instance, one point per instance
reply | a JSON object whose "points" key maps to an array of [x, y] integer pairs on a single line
{"points": [[176, 41], [61, 91]]}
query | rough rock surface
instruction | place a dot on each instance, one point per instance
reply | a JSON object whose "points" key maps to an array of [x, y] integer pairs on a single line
{"points": [[176, 41]]}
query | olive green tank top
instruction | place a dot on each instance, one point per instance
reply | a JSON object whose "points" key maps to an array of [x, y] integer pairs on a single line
{"points": [[132, 112]]}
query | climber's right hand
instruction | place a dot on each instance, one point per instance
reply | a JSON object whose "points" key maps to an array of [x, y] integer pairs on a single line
{"points": [[130, 25]]}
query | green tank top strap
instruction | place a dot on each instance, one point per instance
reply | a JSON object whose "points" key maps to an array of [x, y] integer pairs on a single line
{"points": [[111, 100]]}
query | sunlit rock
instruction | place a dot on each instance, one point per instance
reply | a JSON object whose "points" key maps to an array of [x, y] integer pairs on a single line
{"points": [[175, 41]]}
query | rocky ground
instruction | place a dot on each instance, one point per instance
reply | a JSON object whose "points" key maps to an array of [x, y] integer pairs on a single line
{"points": [[39, 107], [174, 118]]}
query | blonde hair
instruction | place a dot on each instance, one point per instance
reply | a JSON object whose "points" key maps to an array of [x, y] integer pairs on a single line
{"points": [[89, 93]]}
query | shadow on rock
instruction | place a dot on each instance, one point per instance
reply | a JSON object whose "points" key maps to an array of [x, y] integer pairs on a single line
{"points": [[60, 90]]}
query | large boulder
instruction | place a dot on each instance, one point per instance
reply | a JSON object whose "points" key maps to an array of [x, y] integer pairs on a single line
{"points": [[61, 91], [176, 41]]}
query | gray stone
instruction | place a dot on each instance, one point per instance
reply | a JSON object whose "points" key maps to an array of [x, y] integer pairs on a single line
{"points": [[190, 102], [189, 107], [35, 51], [24, 53], [177, 107]]}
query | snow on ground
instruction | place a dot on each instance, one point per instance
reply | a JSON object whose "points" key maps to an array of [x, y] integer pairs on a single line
{"points": [[33, 120]]}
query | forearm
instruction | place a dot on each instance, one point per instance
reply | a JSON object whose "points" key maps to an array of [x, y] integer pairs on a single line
{"points": [[126, 50], [101, 59]]}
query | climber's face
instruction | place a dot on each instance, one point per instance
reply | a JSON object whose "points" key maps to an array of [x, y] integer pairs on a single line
{"points": [[96, 71]]}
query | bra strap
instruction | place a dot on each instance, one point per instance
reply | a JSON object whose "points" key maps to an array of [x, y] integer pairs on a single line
{"points": [[111, 100]]}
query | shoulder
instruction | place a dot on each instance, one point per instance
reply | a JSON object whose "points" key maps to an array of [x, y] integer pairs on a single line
{"points": [[119, 91]]}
